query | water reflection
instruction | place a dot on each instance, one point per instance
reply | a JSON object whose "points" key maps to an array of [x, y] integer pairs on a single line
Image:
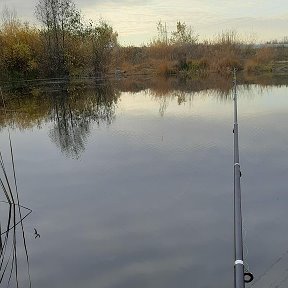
{"points": [[150, 202], [74, 111], [72, 107]]}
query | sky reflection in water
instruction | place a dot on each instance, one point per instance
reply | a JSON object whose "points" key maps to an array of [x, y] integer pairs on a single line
{"points": [[148, 200]]}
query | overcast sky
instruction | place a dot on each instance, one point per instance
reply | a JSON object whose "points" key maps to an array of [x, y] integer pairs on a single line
{"points": [[135, 20]]}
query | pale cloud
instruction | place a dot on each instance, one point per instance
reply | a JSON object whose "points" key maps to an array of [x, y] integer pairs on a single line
{"points": [[135, 20], [25, 9]]}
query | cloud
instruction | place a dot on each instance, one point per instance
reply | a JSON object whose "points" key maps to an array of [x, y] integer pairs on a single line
{"points": [[25, 9]]}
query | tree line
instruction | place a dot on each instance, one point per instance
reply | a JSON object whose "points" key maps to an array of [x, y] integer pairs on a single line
{"points": [[64, 45], [68, 45]]}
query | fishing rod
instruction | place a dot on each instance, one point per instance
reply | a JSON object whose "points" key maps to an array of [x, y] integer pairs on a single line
{"points": [[241, 275]]}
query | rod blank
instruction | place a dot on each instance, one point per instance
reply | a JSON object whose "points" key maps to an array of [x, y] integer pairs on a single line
{"points": [[238, 236]]}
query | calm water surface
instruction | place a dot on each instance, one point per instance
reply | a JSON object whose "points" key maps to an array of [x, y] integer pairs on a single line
{"points": [[137, 190]]}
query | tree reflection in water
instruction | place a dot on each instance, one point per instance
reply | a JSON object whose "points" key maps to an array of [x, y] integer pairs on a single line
{"points": [[73, 107], [73, 113]]}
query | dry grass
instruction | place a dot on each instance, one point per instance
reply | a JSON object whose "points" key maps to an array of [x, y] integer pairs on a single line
{"points": [[191, 60], [261, 61], [165, 68]]}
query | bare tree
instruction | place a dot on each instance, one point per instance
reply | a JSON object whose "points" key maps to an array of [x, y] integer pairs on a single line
{"points": [[183, 35], [9, 17]]}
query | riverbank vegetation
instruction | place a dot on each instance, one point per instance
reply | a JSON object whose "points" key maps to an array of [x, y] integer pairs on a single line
{"points": [[182, 54], [66, 45]]}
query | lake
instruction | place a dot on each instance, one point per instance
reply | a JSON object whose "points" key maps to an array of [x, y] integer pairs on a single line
{"points": [[131, 185]]}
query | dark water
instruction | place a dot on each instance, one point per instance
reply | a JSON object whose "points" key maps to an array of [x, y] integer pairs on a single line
{"points": [[135, 189]]}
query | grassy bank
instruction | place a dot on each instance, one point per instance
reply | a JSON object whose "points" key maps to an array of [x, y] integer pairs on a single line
{"points": [[66, 46], [201, 59]]}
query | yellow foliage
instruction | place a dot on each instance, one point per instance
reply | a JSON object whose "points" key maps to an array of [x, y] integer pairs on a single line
{"points": [[20, 46]]}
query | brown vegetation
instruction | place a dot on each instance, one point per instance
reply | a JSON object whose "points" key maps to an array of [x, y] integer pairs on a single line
{"points": [[65, 46], [165, 57], [261, 61]]}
